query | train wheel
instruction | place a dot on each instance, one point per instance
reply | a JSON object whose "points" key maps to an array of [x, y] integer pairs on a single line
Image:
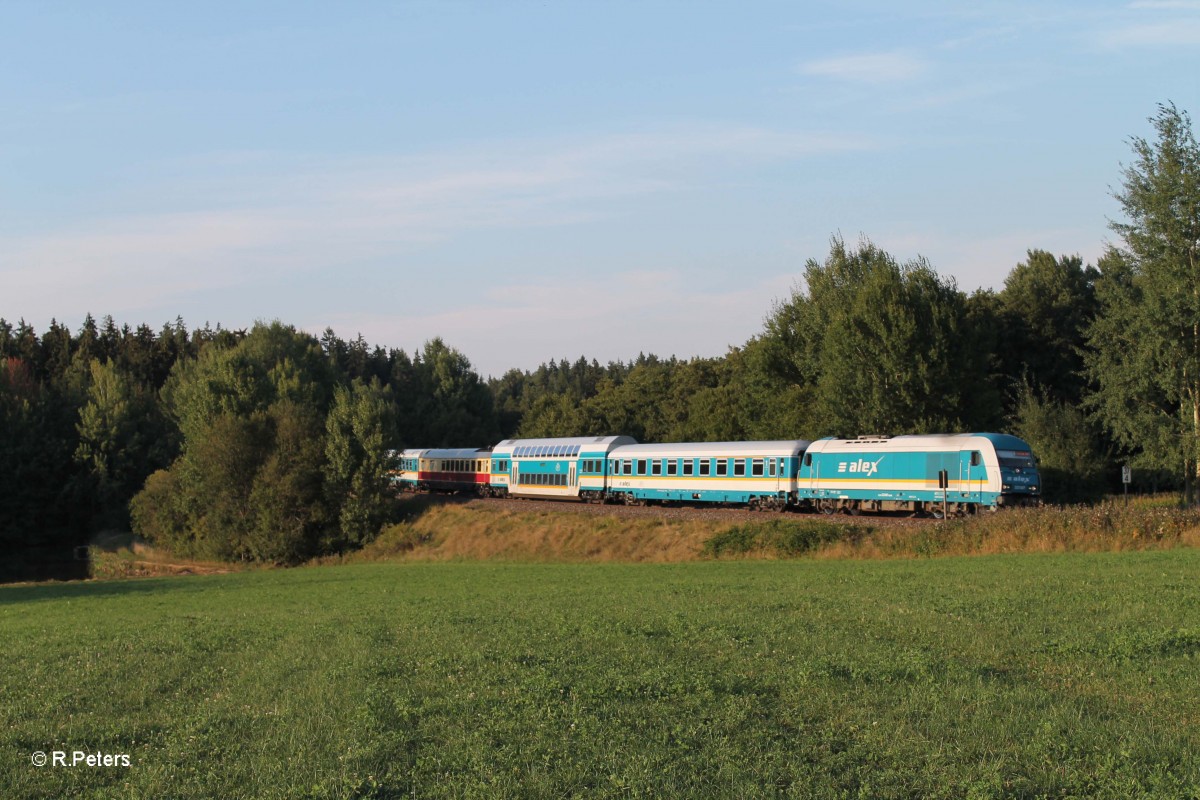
{"points": [[826, 506]]}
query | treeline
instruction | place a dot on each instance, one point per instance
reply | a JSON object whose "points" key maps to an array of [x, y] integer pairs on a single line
{"points": [[271, 444], [263, 445], [867, 345]]}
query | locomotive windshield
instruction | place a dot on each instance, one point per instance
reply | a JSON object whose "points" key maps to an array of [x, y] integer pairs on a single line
{"points": [[1016, 459]]}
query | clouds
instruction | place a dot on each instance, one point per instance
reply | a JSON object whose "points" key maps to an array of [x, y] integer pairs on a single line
{"points": [[896, 66], [613, 316], [255, 222]]}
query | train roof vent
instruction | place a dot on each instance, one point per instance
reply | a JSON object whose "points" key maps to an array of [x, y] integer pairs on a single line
{"points": [[875, 436]]}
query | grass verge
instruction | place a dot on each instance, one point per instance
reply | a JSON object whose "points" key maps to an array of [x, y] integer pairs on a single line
{"points": [[495, 532]]}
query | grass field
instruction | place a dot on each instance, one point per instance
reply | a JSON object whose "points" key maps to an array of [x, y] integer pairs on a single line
{"points": [[1068, 675]]}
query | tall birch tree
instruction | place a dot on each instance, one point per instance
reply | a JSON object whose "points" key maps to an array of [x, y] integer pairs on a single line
{"points": [[1145, 356]]}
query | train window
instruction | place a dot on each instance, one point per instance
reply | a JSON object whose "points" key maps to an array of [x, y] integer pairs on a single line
{"points": [[771, 465], [739, 467], [758, 466], [656, 467], [722, 466], [976, 458], [627, 467], [672, 467], [808, 459], [688, 466], [705, 466], [575, 451], [641, 467]]}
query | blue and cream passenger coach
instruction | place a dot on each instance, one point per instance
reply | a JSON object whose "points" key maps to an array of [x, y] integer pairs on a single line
{"points": [[957, 473], [560, 469], [755, 474]]}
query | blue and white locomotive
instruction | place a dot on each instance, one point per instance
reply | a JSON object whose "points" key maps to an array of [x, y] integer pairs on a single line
{"points": [[940, 473]]}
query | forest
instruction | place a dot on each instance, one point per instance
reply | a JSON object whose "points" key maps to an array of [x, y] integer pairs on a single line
{"points": [[271, 445]]}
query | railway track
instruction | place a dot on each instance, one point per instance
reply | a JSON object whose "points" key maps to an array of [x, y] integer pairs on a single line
{"points": [[682, 512]]}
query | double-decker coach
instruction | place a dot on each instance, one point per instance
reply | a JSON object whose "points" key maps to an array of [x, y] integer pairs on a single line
{"points": [[557, 469], [754, 474], [936, 474]]}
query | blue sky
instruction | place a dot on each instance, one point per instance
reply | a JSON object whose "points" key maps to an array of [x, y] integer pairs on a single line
{"points": [[544, 180]]}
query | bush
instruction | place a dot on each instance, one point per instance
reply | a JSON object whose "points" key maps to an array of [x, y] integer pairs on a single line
{"points": [[785, 538]]}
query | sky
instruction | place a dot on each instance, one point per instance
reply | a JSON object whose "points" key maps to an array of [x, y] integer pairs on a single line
{"points": [[533, 181]]}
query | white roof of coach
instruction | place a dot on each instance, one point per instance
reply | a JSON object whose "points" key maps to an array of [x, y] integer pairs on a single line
{"points": [[457, 452], [783, 447], [602, 443]]}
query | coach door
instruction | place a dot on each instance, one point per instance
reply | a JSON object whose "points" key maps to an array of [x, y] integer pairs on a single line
{"points": [[970, 475], [515, 483], [571, 475]]}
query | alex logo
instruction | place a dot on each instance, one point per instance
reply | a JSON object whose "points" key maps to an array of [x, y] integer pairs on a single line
{"points": [[861, 467]]}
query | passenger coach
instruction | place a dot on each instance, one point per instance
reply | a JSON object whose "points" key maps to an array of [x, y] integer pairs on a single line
{"points": [[755, 474], [444, 470], [557, 469]]}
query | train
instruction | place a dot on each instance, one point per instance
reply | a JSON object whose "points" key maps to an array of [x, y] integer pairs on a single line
{"points": [[935, 475]]}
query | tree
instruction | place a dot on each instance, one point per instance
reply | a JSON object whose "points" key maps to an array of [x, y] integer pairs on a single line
{"points": [[455, 406], [1145, 356], [885, 347], [122, 439], [1048, 304], [358, 431], [1070, 461], [248, 483]]}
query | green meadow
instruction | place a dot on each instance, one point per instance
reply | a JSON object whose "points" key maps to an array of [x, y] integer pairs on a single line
{"points": [[1065, 675]]}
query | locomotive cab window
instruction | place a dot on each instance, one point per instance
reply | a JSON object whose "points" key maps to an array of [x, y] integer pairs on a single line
{"points": [[976, 458]]}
